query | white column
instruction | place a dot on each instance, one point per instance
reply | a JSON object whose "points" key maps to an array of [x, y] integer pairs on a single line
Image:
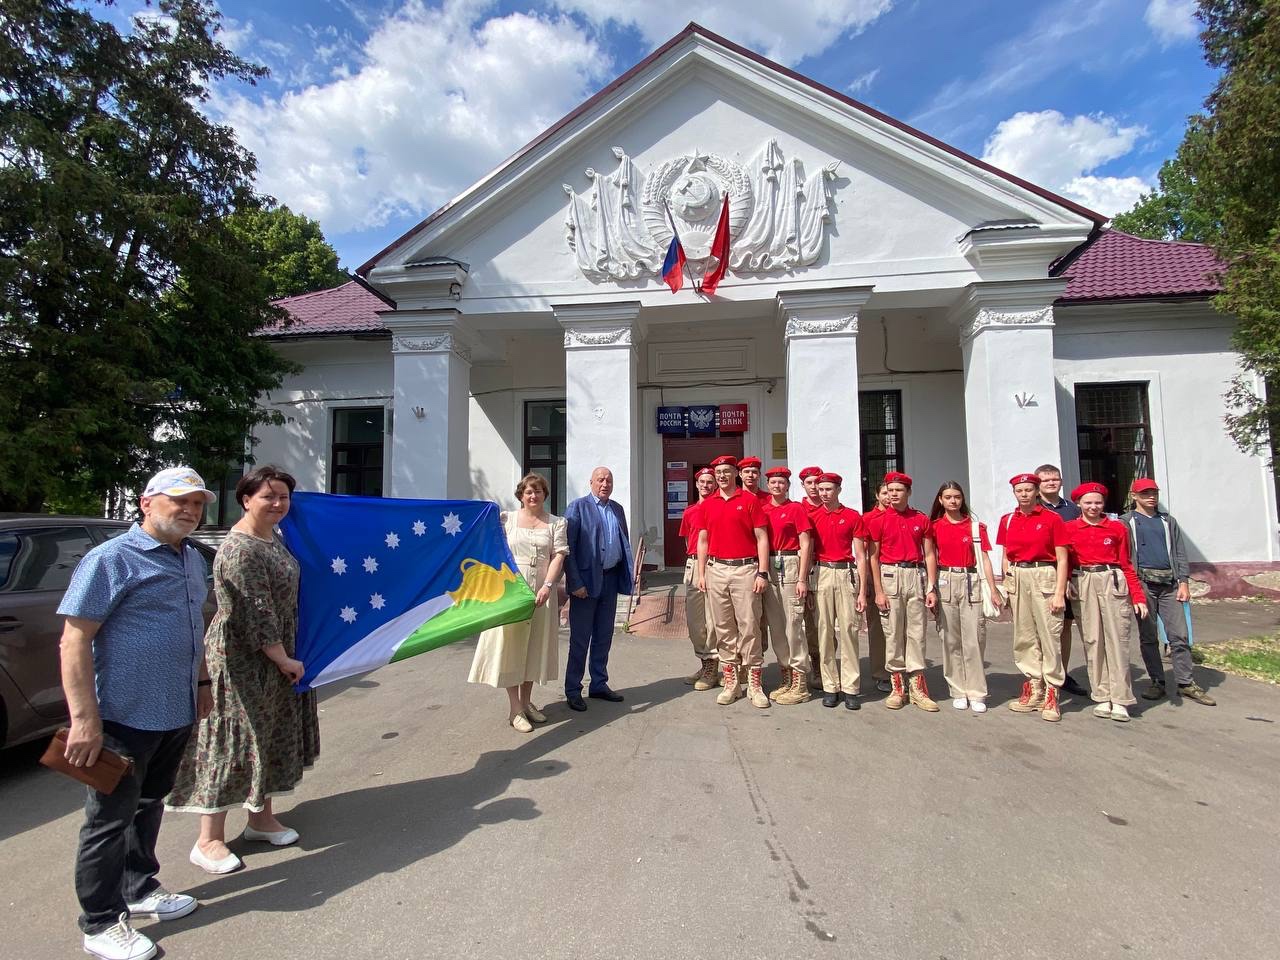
{"points": [[602, 409], [821, 331], [1010, 407], [432, 370]]}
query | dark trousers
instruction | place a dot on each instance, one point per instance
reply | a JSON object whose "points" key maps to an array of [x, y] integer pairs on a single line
{"points": [[116, 863], [1162, 600], [591, 635]]}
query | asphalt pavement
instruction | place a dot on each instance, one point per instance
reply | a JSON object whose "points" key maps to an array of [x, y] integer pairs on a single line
{"points": [[668, 826]]}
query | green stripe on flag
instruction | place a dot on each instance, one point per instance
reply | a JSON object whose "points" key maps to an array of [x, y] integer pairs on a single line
{"points": [[469, 617]]}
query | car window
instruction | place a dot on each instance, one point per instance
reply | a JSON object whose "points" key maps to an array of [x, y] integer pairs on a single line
{"points": [[8, 547], [44, 558], [105, 533]]}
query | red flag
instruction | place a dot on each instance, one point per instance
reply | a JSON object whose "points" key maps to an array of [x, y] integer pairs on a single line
{"points": [[719, 250]]}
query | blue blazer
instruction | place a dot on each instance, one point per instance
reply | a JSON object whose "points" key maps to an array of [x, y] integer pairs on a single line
{"points": [[586, 545]]}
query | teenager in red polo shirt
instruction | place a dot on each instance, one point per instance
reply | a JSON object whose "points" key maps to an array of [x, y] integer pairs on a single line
{"points": [[875, 628], [811, 502], [733, 565], [790, 558], [1035, 577], [960, 539], [842, 567], [1110, 594], [749, 471], [906, 573], [695, 601]]}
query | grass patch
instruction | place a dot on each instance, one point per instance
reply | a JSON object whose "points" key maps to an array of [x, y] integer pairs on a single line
{"points": [[1254, 657]]}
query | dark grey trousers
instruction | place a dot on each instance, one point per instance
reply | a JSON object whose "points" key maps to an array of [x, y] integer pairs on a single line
{"points": [[116, 863], [1162, 601]]}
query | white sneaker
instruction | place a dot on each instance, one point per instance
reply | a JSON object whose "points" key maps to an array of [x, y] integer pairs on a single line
{"points": [[960, 703], [1103, 710], [978, 706], [120, 942], [160, 904], [281, 838], [1119, 712], [227, 864]]}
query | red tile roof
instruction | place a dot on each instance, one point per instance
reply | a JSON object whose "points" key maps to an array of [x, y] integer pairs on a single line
{"points": [[1119, 266], [350, 308]]}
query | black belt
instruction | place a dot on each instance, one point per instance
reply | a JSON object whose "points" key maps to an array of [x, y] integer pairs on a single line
{"points": [[959, 569], [1099, 567], [786, 553], [910, 564], [838, 564], [1033, 563], [741, 562]]}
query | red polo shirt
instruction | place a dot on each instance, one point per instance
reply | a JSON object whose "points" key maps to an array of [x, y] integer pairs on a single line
{"points": [[836, 530], [731, 524], [811, 507], [900, 533], [1105, 542], [786, 523], [761, 494], [1030, 537], [690, 524], [955, 542]]}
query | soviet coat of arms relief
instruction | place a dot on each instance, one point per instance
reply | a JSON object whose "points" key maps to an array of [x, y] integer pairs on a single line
{"points": [[618, 228]]}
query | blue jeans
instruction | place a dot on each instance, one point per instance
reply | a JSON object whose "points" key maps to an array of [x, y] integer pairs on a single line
{"points": [[591, 635]]}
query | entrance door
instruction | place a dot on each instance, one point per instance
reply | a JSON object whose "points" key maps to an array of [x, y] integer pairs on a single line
{"points": [[681, 459]]}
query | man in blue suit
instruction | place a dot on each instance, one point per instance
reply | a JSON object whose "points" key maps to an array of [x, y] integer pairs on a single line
{"points": [[599, 568]]}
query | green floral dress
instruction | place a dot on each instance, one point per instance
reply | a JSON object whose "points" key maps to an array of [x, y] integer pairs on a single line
{"points": [[261, 735]]}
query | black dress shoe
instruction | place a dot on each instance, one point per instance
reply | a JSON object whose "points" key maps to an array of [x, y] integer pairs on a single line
{"points": [[851, 702], [575, 702], [606, 694], [1072, 686], [830, 699]]}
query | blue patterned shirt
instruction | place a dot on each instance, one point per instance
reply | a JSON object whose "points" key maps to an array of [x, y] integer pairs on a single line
{"points": [[611, 546], [148, 599]]}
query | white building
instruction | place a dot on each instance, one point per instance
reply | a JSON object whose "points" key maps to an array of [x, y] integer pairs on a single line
{"points": [[892, 303]]}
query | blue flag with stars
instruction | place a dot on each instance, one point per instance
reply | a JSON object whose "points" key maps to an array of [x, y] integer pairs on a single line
{"points": [[385, 579]]}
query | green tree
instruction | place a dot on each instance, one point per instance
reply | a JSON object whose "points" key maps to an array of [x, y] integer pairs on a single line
{"points": [[290, 249], [1172, 211], [127, 303]]}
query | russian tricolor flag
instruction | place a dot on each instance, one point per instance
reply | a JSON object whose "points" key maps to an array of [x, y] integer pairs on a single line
{"points": [[673, 266]]}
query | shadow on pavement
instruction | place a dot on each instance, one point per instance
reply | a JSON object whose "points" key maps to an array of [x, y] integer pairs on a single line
{"points": [[31, 795]]}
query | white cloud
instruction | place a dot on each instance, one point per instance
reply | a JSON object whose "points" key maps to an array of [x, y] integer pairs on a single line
{"points": [[787, 34], [863, 82], [435, 98], [1062, 154], [1172, 20]]}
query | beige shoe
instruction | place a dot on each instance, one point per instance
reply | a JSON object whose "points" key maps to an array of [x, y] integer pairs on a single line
{"points": [[1120, 712], [798, 692], [1050, 709], [755, 690], [729, 682], [898, 696], [1103, 710], [1031, 699], [919, 694], [709, 676], [783, 687], [690, 680], [534, 714], [521, 723]]}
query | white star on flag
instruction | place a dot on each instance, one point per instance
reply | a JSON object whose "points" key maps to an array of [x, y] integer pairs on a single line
{"points": [[339, 566], [392, 540], [377, 602], [370, 565], [452, 525], [419, 528], [348, 615]]}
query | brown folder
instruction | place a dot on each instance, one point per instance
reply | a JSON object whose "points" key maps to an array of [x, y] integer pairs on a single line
{"points": [[104, 776]]}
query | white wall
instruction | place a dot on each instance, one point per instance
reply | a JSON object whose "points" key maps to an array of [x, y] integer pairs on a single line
{"points": [[1223, 499]]}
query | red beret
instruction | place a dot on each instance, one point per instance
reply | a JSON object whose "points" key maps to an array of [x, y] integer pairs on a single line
{"points": [[1084, 488], [808, 472], [778, 472], [724, 461], [831, 478], [894, 477], [705, 471], [1018, 478], [1143, 484], [749, 462]]}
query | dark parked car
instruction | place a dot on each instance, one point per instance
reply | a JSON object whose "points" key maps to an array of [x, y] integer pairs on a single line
{"points": [[38, 553]]}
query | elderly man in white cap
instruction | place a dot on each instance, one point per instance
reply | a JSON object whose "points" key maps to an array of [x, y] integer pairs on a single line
{"points": [[134, 673]]}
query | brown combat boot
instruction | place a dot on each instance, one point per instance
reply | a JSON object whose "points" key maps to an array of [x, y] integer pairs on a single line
{"points": [[709, 676], [729, 680], [690, 680], [898, 696], [919, 694], [1031, 699], [784, 684], [755, 690], [797, 691], [1050, 709]]}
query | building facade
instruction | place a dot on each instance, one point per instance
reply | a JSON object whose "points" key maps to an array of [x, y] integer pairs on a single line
{"points": [[890, 303]]}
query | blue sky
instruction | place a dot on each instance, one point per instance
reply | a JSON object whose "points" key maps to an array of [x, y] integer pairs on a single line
{"points": [[378, 111]]}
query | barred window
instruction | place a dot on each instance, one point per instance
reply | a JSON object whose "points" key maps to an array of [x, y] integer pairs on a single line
{"points": [[880, 413], [1113, 437]]}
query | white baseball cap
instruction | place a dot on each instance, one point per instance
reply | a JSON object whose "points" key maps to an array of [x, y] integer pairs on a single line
{"points": [[178, 482]]}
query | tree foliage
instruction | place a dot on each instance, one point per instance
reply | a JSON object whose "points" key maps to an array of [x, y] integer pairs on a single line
{"points": [[290, 248], [1173, 211], [127, 302]]}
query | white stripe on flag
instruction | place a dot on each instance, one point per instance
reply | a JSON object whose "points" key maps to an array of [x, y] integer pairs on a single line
{"points": [[377, 648]]}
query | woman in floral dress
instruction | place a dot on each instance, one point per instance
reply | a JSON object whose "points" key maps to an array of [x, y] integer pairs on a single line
{"points": [[261, 734]]}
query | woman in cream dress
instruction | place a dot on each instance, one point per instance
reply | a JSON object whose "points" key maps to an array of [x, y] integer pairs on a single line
{"points": [[516, 655]]}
